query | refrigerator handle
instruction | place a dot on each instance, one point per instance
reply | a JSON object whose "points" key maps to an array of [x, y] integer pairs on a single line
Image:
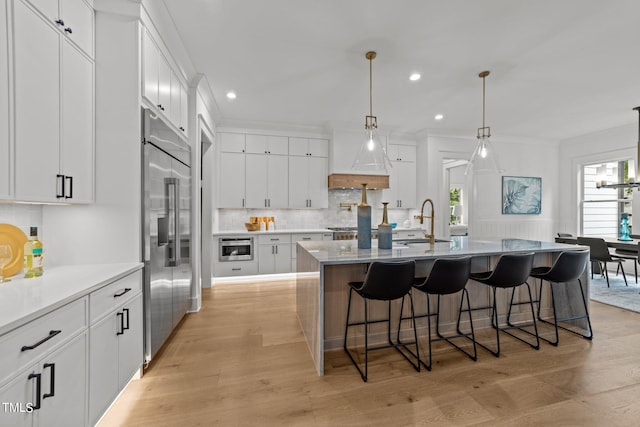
{"points": [[174, 210]]}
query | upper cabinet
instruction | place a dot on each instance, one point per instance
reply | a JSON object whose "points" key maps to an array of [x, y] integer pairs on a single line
{"points": [[231, 185], [402, 177], [308, 171], [269, 171], [53, 81], [5, 154], [73, 17], [162, 86]]}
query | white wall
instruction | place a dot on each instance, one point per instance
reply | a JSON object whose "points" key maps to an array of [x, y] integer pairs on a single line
{"points": [[603, 146], [485, 218]]}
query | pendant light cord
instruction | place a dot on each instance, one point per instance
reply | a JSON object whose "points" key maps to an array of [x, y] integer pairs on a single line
{"points": [[371, 86], [483, 99]]}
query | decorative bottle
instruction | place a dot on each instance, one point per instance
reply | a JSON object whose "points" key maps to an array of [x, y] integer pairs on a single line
{"points": [[33, 255], [385, 232], [364, 221], [624, 227]]}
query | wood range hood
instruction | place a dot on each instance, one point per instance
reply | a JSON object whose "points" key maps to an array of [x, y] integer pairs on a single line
{"points": [[348, 180]]}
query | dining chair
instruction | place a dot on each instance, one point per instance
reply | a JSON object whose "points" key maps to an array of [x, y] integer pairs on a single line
{"points": [[599, 253], [630, 255]]}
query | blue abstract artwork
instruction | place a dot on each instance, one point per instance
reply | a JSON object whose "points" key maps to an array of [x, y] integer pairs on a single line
{"points": [[521, 195]]}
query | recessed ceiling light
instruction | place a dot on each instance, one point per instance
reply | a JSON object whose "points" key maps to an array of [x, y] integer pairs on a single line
{"points": [[415, 76], [231, 95], [439, 117]]}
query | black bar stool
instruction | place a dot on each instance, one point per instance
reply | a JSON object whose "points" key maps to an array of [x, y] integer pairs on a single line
{"points": [[447, 276], [568, 267], [511, 271], [385, 281]]}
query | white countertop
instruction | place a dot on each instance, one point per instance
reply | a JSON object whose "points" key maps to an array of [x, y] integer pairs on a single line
{"points": [[22, 300], [347, 252], [276, 231]]}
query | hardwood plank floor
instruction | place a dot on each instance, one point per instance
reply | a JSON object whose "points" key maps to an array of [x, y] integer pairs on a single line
{"points": [[242, 360]]}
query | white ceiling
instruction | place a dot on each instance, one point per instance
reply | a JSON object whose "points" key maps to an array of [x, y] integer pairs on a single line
{"points": [[558, 68]]}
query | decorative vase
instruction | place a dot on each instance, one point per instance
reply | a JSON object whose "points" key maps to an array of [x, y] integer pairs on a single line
{"points": [[364, 221], [385, 233]]}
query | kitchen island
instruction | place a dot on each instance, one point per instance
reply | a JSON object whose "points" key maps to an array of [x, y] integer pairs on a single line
{"points": [[325, 268]]}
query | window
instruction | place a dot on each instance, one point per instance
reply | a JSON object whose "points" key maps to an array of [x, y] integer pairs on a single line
{"points": [[603, 207]]}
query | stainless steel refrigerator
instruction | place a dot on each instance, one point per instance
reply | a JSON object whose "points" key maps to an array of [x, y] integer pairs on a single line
{"points": [[166, 230]]}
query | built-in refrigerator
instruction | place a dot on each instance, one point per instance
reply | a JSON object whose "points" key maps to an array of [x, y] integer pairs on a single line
{"points": [[166, 230]]}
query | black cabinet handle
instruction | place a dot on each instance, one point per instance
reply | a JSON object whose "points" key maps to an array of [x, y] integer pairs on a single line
{"points": [[119, 294], [181, 128], [52, 380], [124, 328], [70, 179], [161, 107], [59, 186], [38, 378], [236, 269], [52, 334], [68, 30], [60, 22], [306, 238], [121, 316]]}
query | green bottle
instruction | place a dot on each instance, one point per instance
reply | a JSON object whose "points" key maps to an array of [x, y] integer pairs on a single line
{"points": [[33, 255]]}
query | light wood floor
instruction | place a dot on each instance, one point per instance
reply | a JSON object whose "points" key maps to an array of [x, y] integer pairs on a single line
{"points": [[243, 361]]}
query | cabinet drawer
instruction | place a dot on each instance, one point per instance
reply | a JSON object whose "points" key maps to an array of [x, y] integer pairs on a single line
{"points": [[25, 345], [108, 298], [306, 237], [269, 239], [408, 234], [235, 268]]}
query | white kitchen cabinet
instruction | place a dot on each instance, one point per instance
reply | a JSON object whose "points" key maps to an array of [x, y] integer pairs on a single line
{"points": [[54, 80], [44, 367], [308, 182], [267, 144], [162, 85], [51, 392], [302, 237], [73, 17], [308, 147], [231, 185], [401, 193], [267, 181], [274, 253], [5, 177], [116, 340], [231, 181]]}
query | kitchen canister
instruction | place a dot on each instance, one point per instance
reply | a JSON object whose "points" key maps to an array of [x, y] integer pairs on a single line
{"points": [[364, 221], [385, 233]]}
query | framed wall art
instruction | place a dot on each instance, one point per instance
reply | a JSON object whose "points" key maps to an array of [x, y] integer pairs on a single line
{"points": [[521, 195]]}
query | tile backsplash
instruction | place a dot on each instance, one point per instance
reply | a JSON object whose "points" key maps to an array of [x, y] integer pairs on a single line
{"points": [[333, 216], [22, 216]]}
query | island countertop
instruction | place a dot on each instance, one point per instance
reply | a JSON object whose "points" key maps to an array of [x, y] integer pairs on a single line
{"points": [[347, 252]]}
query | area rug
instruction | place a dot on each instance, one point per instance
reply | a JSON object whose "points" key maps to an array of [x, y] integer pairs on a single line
{"points": [[617, 295]]}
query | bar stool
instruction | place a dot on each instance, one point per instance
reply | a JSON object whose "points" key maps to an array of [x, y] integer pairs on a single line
{"points": [[511, 271], [385, 281], [568, 267], [448, 276]]}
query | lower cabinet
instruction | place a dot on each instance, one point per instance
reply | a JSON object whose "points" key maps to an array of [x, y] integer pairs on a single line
{"points": [[115, 354], [51, 392], [274, 253]]}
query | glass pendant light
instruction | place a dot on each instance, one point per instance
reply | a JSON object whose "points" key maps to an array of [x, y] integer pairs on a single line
{"points": [[372, 155], [484, 159]]}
